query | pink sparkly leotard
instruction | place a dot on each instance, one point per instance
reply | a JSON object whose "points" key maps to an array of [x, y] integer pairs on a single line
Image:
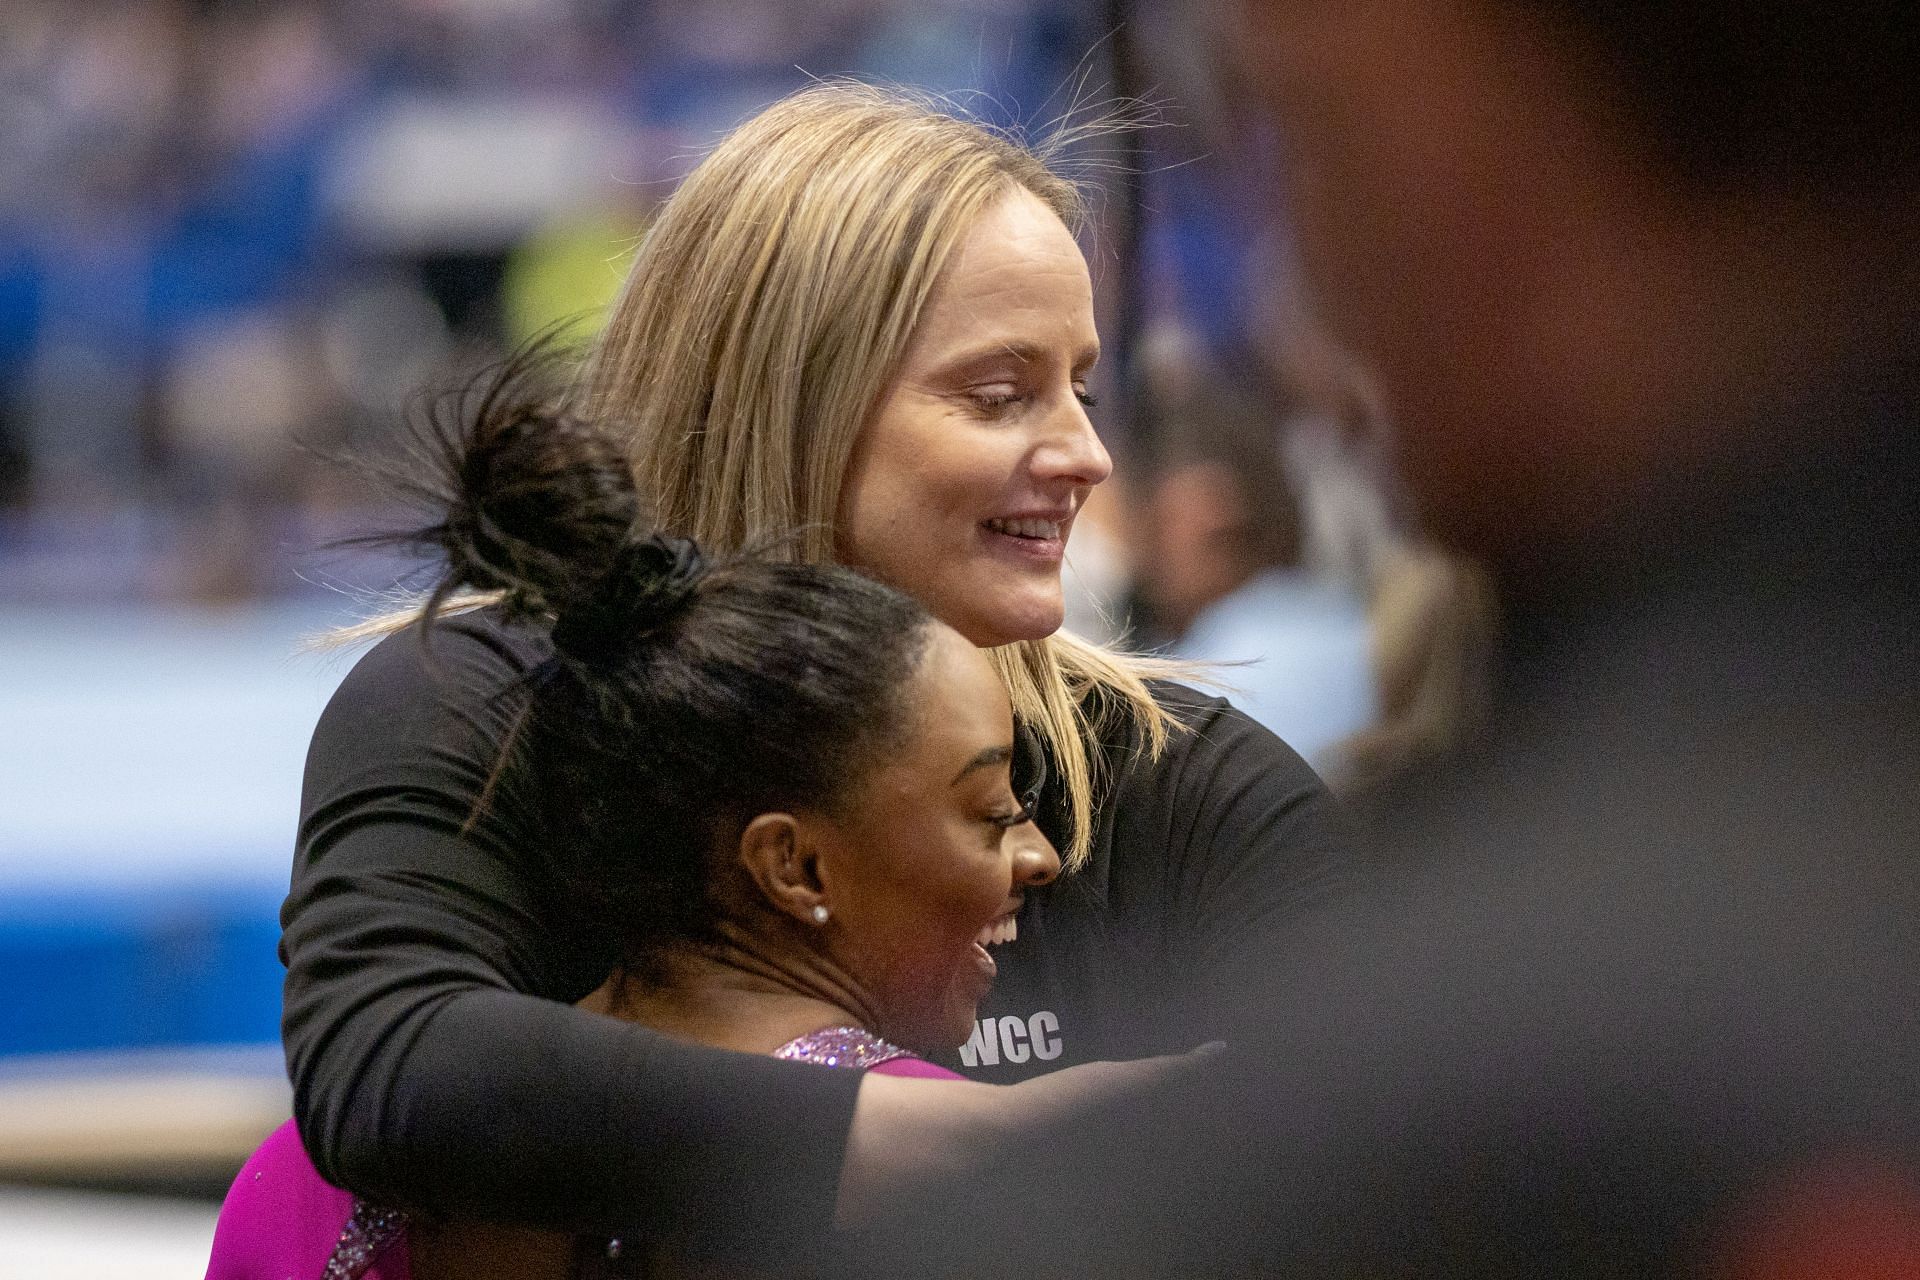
{"points": [[282, 1219]]}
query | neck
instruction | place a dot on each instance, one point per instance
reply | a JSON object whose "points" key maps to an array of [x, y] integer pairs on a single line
{"points": [[737, 994]]}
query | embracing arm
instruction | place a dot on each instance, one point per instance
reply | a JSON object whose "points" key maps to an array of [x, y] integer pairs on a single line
{"points": [[434, 1059]]}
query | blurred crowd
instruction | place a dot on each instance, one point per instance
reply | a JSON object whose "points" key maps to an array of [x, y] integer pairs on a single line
{"points": [[235, 234]]}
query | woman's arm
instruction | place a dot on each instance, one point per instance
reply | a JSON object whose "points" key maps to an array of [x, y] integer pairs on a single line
{"points": [[434, 1059], [917, 1138]]}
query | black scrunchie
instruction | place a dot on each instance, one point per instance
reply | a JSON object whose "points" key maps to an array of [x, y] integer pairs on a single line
{"points": [[649, 582]]}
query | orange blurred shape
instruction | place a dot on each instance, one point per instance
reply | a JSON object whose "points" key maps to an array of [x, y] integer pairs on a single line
{"points": [[1856, 1218]]}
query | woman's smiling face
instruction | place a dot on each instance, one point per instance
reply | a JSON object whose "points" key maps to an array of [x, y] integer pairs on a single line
{"points": [[964, 484], [931, 860]]}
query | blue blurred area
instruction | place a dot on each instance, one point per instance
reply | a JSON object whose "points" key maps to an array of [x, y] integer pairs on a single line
{"points": [[149, 781], [137, 968], [1291, 651]]}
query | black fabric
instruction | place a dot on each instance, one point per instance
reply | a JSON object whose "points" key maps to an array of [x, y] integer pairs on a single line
{"points": [[1647, 958], [1199, 856], [437, 1064]]}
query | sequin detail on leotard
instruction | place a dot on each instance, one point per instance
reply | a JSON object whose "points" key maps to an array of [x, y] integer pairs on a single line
{"points": [[840, 1047], [365, 1237]]}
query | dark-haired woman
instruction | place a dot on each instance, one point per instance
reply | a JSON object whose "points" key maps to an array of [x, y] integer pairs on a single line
{"points": [[780, 793], [865, 328]]}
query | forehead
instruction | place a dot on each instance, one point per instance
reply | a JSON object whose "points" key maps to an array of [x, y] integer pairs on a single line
{"points": [[958, 708], [1017, 270]]}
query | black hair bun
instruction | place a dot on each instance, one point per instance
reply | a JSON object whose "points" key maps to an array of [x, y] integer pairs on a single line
{"points": [[650, 581]]}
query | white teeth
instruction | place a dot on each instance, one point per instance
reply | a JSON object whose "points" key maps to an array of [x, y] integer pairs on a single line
{"points": [[998, 931], [1026, 528]]}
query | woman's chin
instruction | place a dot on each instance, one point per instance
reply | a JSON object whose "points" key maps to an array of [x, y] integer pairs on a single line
{"points": [[926, 1040], [939, 1027], [1013, 624], [958, 1033]]}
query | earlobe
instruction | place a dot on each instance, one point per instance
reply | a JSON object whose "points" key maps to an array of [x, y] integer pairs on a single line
{"points": [[776, 851]]}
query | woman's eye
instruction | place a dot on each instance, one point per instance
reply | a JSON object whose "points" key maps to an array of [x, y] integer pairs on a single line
{"points": [[999, 398], [1010, 820], [993, 399]]}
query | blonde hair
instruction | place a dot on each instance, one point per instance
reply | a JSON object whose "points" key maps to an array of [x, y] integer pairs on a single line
{"points": [[1435, 622], [765, 314]]}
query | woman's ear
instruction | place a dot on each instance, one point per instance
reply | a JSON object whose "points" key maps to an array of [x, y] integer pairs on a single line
{"points": [[778, 854]]}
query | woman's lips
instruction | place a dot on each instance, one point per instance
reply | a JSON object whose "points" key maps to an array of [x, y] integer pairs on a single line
{"points": [[984, 961], [1029, 538], [1002, 928], [996, 932]]}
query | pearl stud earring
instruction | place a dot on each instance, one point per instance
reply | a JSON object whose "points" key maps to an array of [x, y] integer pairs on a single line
{"points": [[820, 913]]}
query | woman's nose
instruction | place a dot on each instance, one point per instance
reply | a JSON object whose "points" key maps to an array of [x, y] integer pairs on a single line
{"points": [[1072, 449], [1035, 861]]}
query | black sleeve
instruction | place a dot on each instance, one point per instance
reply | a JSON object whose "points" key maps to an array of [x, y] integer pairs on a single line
{"points": [[1233, 838], [436, 1062]]}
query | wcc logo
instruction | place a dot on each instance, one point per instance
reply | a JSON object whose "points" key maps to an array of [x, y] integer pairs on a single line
{"points": [[1012, 1040]]}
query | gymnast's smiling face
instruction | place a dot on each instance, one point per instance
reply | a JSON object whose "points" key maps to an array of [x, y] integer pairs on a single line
{"points": [[925, 863], [965, 481]]}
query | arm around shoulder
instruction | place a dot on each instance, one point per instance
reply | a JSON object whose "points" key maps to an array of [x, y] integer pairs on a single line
{"points": [[435, 1061]]}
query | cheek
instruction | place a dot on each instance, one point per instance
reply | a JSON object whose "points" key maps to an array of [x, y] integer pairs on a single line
{"points": [[940, 891], [908, 488], [979, 882], [909, 933], [913, 521], [961, 891]]}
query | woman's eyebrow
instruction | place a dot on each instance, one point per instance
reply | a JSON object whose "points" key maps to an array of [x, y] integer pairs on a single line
{"points": [[1024, 352], [992, 755]]}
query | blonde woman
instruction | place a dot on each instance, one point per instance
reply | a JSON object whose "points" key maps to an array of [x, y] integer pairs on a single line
{"points": [[868, 322]]}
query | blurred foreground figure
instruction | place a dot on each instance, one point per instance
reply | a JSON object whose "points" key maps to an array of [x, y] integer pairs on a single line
{"points": [[1633, 991]]}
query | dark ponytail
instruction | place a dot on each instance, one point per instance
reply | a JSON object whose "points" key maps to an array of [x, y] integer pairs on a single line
{"points": [[533, 502], [685, 695], [648, 580]]}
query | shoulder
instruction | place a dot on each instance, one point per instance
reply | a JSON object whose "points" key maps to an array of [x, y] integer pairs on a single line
{"points": [[1211, 746], [420, 720], [1211, 734], [464, 667], [461, 655], [1187, 703], [1223, 783], [280, 1217]]}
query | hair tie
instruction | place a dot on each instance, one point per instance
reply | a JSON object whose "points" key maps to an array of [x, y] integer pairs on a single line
{"points": [[648, 584]]}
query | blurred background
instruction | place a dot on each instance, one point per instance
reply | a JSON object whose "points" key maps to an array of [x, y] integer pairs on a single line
{"points": [[237, 235]]}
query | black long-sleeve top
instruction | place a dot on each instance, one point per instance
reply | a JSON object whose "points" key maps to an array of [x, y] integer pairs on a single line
{"points": [[436, 1058]]}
